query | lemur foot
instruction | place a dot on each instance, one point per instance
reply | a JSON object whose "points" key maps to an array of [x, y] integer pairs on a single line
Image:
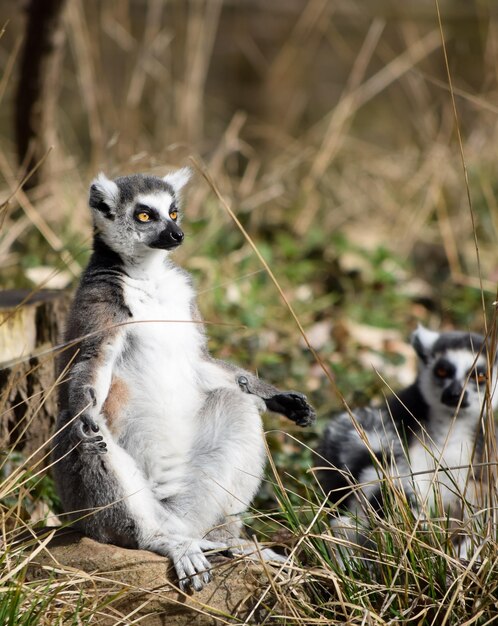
{"points": [[255, 553], [294, 406], [191, 565], [83, 432]]}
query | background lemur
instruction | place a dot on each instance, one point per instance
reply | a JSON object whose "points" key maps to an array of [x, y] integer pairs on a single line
{"points": [[159, 446], [434, 423]]}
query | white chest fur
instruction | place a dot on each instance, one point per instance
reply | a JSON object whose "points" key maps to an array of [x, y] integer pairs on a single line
{"points": [[159, 366], [443, 457], [165, 341], [161, 309]]}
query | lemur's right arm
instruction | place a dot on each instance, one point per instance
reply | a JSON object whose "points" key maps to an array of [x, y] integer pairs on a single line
{"points": [[96, 335], [91, 374]]}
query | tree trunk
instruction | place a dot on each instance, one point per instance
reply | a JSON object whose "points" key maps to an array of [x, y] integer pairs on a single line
{"points": [[30, 327], [38, 87]]}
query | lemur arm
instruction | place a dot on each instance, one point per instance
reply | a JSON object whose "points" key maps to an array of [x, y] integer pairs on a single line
{"points": [[96, 340], [91, 375], [291, 404]]}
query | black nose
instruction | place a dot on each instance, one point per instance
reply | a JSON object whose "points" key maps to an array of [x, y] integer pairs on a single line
{"points": [[171, 237], [452, 394], [177, 235]]}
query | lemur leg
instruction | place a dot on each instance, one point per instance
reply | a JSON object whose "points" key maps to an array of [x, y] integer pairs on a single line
{"points": [[227, 461], [230, 532], [115, 504], [85, 484]]}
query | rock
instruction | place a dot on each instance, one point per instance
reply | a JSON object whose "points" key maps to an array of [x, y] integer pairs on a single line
{"points": [[144, 583]]}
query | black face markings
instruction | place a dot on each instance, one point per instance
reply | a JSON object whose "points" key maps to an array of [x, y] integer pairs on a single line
{"points": [[457, 375], [443, 369], [478, 376], [454, 395], [130, 190], [169, 238], [444, 374], [173, 211], [144, 214]]}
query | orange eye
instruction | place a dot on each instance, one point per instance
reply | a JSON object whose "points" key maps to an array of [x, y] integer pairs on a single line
{"points": [[481, 377], [174, 215], [143, 216], [441, 372]]}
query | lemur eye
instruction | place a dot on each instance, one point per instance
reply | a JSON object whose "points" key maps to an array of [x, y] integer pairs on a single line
{"points": [[143, 216], [174, 215], [441, 372], [481, 377]]}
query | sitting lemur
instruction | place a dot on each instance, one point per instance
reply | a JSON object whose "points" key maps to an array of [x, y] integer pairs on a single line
{"points": [[159, 445], [427, 439]]}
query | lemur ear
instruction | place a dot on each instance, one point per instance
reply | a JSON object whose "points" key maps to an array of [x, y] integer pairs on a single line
{"points": [[423, 341], [178, 179], [104, 195]]}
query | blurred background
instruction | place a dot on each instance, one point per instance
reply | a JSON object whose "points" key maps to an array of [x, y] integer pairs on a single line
{"points": [[329, 128]]}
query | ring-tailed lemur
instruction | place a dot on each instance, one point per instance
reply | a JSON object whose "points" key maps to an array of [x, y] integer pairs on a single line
{"points": [[429, 435], [158, 443]]}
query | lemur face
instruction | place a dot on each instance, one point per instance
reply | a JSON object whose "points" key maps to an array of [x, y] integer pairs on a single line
{"points": [[453, 372], [138, 213]]}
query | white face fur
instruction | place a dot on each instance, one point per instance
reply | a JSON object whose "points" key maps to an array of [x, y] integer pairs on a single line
{"points": [[453, 373], [138, 215]]}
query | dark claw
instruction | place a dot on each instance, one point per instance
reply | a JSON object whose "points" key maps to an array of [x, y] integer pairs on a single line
{"points": [[294, 406], [189, 584], [227, 553], [101, 447]]}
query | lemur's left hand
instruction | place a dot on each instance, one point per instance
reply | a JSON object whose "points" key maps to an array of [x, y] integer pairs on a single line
{"points": [[294, 406]]}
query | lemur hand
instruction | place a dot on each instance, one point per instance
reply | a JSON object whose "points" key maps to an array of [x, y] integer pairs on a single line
{"points": [[294, 406], [84, 431]]}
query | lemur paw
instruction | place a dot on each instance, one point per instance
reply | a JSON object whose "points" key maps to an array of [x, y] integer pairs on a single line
{"points": [[191, 565], [294, 406], [84, 432]]}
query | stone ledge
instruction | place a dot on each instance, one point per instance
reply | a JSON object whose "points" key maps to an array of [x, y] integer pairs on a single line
{"points": [[145, 582]]}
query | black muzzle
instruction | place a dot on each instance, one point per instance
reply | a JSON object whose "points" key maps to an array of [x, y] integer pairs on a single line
{"points": [[452, 394], [169, 238]]}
